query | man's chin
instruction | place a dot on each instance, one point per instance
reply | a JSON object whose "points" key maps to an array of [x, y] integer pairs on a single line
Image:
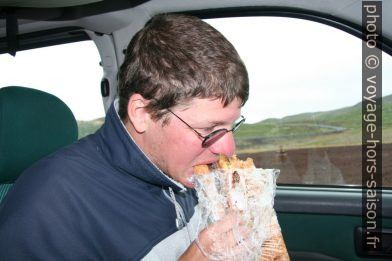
{"points": [[189, 182]]}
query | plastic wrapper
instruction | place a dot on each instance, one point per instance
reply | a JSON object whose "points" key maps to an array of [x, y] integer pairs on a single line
{"points": [[237, 186]]}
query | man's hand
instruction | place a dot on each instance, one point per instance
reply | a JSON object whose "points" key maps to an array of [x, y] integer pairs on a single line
{"points": [[223, 238]]}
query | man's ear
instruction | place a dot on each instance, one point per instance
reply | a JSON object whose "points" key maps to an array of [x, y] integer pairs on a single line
{"points": [[137, 112]]}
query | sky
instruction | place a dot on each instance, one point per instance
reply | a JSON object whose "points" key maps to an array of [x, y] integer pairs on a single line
{"points": [[294, 66], [298, 66]]}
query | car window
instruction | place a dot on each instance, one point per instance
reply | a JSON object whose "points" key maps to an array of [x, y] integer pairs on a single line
{"points": [[304, 109], [69, 71]]}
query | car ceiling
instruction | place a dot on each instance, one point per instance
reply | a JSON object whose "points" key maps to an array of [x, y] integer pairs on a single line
{"points": [[117, 14]]}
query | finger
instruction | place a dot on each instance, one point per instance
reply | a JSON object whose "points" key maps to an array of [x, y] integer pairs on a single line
{"points": [[228, 247], [224, 225], [234, 239], [216, 232]]}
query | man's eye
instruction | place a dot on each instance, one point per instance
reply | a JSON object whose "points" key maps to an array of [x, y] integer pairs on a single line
{"points": [[208, 130]]}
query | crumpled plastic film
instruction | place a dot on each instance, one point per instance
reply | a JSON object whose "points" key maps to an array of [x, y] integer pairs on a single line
{"points": [[248, 192]]}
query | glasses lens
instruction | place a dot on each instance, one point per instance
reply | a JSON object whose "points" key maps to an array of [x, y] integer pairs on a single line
{"points": [[216, 135], [213, 137], [238, 123]]}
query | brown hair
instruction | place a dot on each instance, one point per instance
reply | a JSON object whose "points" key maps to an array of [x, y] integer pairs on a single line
{"points": [[175, 58]]}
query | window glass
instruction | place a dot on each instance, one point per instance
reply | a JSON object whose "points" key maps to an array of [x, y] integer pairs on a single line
{"points": [[69, 71], [304, 111]]}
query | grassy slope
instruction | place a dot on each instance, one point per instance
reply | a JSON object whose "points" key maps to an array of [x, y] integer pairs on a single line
{"points": [[88, 127], [316, 129]]}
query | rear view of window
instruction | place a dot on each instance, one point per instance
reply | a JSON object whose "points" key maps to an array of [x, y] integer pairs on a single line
{"points": [[304, 109], [69, 71]]}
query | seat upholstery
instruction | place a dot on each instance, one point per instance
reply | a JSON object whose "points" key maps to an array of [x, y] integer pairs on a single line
{"points": [[33, 124]]}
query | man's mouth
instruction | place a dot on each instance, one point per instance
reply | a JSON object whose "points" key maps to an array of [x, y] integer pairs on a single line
{"points": [[208, 162]]}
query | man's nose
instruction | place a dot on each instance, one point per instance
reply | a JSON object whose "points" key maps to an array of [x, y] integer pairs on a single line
{"points": [[224, 145]]}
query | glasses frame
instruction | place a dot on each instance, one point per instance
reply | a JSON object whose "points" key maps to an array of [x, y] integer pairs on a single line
{"points": [[211, 138]]}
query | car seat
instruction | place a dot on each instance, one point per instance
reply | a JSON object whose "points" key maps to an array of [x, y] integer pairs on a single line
{"points": [[33, 124]]}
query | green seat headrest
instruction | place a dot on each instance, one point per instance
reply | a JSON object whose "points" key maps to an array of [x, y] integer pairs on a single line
{"points": [[33, 124]]}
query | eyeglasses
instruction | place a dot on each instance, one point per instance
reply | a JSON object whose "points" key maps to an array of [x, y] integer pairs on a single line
{"points": [[216, 134]]}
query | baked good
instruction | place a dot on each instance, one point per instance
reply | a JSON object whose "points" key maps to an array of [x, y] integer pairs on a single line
{"points": [[232, 184]]}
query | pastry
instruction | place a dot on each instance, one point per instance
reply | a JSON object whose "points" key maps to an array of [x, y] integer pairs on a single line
{"points": [[233, 184]]}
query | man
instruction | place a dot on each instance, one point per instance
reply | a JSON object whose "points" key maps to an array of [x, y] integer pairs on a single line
{"points": [[125, 192]]}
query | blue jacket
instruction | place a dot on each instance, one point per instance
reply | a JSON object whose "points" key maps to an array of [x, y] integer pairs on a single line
{"points": [[98, 199]]}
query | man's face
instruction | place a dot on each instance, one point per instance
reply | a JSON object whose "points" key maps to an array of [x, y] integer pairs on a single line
{"points": [[175, 148]]}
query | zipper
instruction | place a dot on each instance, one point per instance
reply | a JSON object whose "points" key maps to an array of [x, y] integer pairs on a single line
{"points": [[180, 216]]}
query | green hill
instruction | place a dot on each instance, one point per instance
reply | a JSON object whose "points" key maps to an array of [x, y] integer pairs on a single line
{"points": [[313, 129], [89, 127]]}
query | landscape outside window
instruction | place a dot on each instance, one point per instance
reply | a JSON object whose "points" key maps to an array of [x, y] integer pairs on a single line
{"points": [[304, 110]]}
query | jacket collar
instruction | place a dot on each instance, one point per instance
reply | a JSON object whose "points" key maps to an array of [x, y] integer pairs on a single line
{"points": [[125, 155]]}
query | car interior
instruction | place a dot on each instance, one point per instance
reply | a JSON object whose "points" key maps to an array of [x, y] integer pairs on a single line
{"points": [[50, 124], [319, 197]]}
